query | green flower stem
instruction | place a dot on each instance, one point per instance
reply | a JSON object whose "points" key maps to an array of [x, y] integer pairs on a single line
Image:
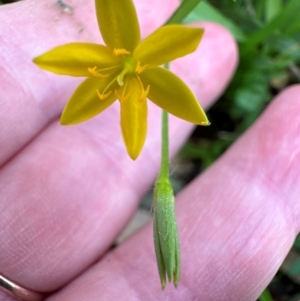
{"points": [[165, 231], [164, 168], [166, 240], [182, 11], [177, 17]]}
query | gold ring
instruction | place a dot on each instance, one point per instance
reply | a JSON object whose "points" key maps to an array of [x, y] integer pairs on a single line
{"points": [[18, 291]]}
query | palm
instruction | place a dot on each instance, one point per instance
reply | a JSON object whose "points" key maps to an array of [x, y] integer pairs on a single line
{"points": [[66, 192]]}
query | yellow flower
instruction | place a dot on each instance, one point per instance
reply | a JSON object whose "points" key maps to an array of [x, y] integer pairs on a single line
{"points": [[127, 69]]}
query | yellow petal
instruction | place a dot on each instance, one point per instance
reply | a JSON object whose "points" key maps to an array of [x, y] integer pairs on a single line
{"points": [[75, 58], [85, 103], [118, 23], [133, 116], [171, 94], [168, 43]]}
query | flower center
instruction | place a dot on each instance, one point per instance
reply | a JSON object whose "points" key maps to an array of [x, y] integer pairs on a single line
{"points": [[129, 67]]}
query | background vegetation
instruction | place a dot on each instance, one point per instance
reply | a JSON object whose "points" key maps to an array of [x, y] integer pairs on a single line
{"points": [[268, 35]]}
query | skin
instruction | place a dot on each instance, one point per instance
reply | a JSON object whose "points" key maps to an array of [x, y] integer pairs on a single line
{"points": [[67, 192]]}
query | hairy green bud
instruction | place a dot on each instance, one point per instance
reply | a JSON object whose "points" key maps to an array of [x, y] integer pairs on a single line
{"points": [[166, 239]]}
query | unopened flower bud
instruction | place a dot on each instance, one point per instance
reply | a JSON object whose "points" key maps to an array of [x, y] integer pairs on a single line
{"points": [[165, 232]]}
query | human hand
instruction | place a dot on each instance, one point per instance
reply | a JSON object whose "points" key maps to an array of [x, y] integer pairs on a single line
{"points": [[66, 192]]}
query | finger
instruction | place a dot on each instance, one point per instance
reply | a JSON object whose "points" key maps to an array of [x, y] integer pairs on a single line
{"points": [[237, 222], [32, 98], [67, 198]]}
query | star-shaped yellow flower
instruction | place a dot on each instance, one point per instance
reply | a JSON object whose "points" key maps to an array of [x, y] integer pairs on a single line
{"points": [[127, 69]]}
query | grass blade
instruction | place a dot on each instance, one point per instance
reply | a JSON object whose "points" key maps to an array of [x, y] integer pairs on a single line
{"points": [[206, 12]]}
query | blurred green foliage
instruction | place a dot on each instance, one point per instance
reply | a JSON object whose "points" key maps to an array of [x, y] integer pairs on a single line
{"points": [[267, 33], [266, 296], [268, 37]]}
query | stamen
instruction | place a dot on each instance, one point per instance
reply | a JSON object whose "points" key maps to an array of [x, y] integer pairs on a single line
{"points": [[139, 69], [122, 91], [103, 96], [96, 73], [143, 93], [111, 82], [118, 52], [110, 68], [122, 98]]}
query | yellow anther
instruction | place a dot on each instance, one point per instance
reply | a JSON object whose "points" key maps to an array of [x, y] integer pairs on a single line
{"points": [[95, 73], [144, 93], [139, 69], [121, 97], [118, 52], [103, 96]]}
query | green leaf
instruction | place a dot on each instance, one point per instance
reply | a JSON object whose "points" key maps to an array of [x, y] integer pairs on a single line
{"points": [[273, 7], [265, 296], [207, 151], [286, 22], [297, 242], [286, 49], [206, 12], [295, 268], [251, 91]]}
